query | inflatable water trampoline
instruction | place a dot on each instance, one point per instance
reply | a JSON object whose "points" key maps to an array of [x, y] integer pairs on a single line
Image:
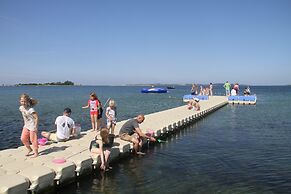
{"points": [[154, 90], [188, 97]]}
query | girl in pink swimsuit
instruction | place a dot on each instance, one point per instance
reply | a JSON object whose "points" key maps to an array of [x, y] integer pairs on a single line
{"points": [[93, 104]]}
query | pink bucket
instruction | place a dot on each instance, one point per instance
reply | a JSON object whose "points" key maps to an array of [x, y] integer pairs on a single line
{"points": [[42, 141]]}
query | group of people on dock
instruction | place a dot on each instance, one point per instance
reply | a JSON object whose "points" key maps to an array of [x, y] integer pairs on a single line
{"points": [[235, 89], [66, 128], [208, 90]]}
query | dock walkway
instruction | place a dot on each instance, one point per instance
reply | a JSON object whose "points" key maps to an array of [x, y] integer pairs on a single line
{"points": [[18, 173]]}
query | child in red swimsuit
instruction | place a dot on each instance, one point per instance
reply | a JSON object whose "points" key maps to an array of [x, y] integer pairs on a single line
{"points": [[93, 104]]}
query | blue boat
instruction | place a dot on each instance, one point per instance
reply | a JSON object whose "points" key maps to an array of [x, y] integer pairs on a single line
{"points": [[154, 90]]}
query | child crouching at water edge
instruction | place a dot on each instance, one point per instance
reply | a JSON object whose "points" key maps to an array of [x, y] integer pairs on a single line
{"points": [[194, 104], [30, 118], [102, 147], [111, 116]]}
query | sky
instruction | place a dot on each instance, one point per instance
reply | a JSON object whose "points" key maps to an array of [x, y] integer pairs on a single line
{"points": [[117, 42]]}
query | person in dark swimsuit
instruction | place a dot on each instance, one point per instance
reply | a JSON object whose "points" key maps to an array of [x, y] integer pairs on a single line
{"points": [[102, 147]]}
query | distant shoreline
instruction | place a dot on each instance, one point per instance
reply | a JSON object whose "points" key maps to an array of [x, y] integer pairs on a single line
{"points": [[66, 83]]}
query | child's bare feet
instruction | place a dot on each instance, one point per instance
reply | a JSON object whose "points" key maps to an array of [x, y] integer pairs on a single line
{"points": [[35, 155], [28, 152]]}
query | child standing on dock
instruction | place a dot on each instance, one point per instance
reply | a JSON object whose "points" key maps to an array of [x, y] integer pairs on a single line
{"points": [[30, 118], [93, 104], [111, 116]]}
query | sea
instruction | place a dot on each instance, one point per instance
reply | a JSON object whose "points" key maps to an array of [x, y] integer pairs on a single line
{"points": [[236, 149]]}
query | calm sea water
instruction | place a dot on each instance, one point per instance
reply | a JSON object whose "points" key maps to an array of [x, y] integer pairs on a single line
{"points": [[237, 149], [52, 101]]}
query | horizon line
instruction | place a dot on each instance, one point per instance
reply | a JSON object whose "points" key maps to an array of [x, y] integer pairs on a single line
{"points": [[147, 84]]}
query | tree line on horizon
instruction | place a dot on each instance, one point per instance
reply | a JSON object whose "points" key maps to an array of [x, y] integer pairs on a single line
{"points": [[66, 83]]}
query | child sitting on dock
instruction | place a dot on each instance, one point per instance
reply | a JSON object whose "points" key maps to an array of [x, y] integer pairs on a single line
{"points": [[65, 128], [102, 147], [111, 116], [30, 117], [194, 104]]}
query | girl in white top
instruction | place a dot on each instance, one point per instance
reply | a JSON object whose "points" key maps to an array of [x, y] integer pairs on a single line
{"points": [[30, 118], [111, 116]]}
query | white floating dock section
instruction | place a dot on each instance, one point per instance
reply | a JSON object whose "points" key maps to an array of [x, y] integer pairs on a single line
{"points": [[19, 174]]}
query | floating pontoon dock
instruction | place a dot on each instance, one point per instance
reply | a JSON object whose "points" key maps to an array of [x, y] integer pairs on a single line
{"points": [[19, 174], [245, 100]]}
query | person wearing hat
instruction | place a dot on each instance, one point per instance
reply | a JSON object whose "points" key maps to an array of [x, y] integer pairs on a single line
{"points": [[65, 127]]}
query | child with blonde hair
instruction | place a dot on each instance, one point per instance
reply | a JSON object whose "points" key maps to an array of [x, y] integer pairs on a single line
{"points": [[111, 116], [93, 104], [102, 147], [30, 118]]}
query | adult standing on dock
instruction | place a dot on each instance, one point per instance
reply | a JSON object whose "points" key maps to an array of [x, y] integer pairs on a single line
{"points": [[236, 87], [210, 89], [131, 132], [194, 89], [227, 87]]}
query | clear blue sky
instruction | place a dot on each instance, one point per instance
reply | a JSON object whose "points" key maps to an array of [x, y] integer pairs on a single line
{"points": [[124, 42]]}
